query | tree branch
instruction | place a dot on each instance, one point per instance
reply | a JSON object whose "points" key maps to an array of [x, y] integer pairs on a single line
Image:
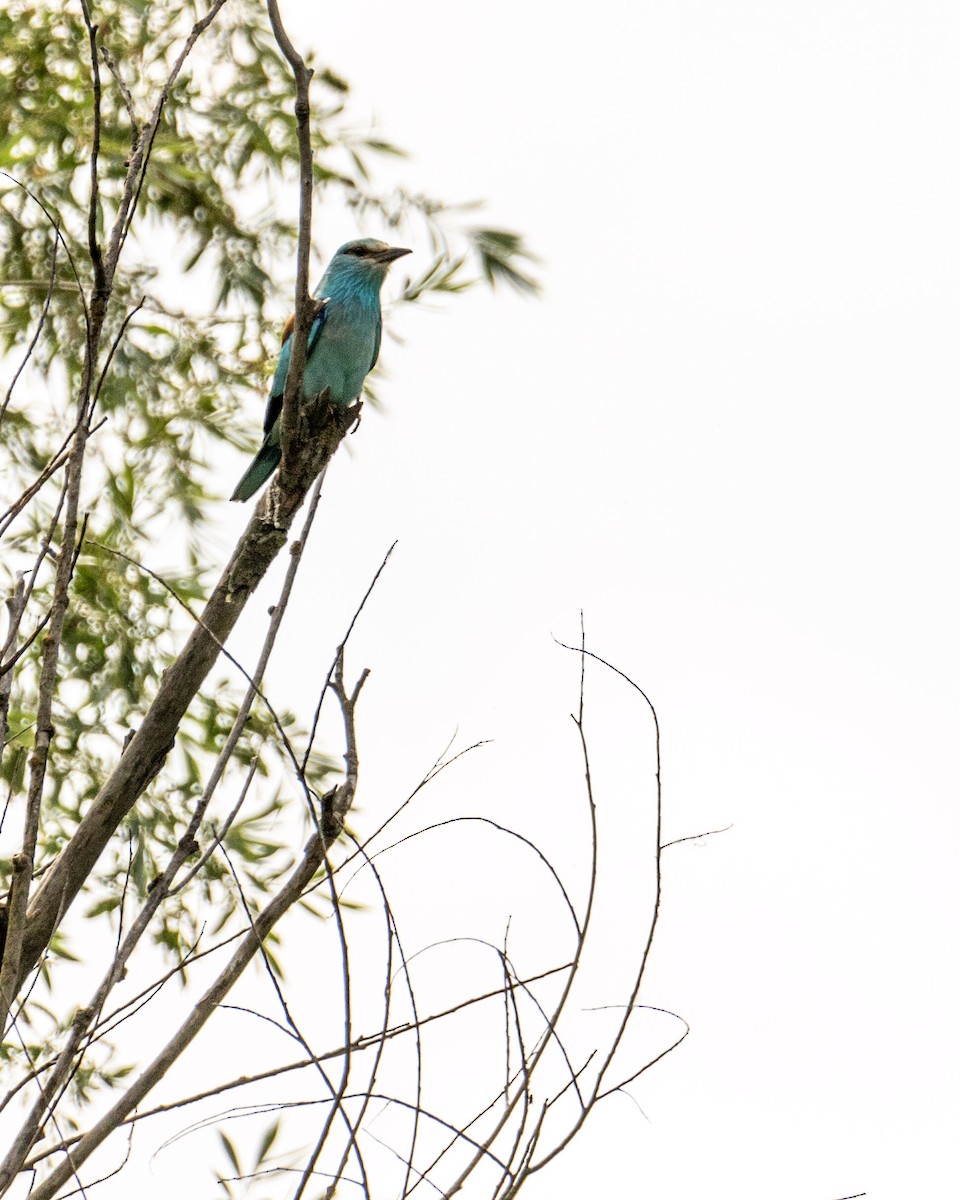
{"points": [[303, 312], [147, 750], [27, 934], [250, 945], [44, 312], [100, 281]]}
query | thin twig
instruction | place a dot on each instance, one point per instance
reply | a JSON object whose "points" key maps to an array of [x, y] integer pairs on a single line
{"points": [[15, 605], [303, 313], [114, 70], [631, 1004], [334, 807], [364, 1042], [40, 324], [113, 349], [54, 464], [17, 1153], [333, 666], [55, 225], [693, 837], [23, 946], [100, 281], [140, 157], [250, 945], [254, 680]]}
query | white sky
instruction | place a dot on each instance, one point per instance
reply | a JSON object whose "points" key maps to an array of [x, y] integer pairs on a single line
{"points": [[727, 432]]}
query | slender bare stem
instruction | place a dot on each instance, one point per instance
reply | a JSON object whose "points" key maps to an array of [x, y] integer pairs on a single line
{"points": [[250, 945], [304, 312], [40, 324]]}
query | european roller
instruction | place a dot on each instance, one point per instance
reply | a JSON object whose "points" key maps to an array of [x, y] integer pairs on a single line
{"points": [[342, 346]]}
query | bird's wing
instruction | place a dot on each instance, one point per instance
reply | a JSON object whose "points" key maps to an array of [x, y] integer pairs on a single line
{"points": [[275, 400], [376, 343]]}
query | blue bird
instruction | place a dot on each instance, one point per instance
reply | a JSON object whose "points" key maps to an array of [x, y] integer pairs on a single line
{"points": [[342, 346]]}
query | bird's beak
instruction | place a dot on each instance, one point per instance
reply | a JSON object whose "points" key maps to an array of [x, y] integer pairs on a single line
{"points": [[391, 253]]}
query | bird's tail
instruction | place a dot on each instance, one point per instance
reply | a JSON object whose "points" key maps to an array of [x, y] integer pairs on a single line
{"points": [[257, 474]]}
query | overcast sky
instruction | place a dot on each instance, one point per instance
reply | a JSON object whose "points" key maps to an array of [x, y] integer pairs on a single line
{"points": [[727, 432]]}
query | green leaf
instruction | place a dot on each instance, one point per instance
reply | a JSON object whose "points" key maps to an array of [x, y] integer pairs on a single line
{"points": [[266, 1142], [230, 1151]]}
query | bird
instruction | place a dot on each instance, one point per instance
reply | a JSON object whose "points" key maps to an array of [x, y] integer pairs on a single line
{"points": [[342, 346]]}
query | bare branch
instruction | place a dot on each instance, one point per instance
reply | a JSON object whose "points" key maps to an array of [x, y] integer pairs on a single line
{"points": [[250, 945], [40, 324], [337, 803], [694, 837], [11, 974], [365, 1042], [645, 954], [15, 605], [20, 1147], [143, 758], [58, 236], [56, 462], [303, 312], [28, 934], [333, 666], [114, 70], [96, 254], [140, 157]]}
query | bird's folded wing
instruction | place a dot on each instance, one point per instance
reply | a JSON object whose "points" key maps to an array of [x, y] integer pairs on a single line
{"points": [[275, 401]]}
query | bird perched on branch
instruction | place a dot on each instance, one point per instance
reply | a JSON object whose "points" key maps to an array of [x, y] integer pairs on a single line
{"points": [[342, 346]]}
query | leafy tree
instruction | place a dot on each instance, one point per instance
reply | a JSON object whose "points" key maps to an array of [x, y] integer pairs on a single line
{"points": [[146, 151]]}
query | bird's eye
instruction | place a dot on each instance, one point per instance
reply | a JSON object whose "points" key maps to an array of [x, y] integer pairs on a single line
{"points": [[360, 251]]}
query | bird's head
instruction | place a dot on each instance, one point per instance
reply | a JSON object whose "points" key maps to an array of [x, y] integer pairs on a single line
{"points": [[365, 260]]}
